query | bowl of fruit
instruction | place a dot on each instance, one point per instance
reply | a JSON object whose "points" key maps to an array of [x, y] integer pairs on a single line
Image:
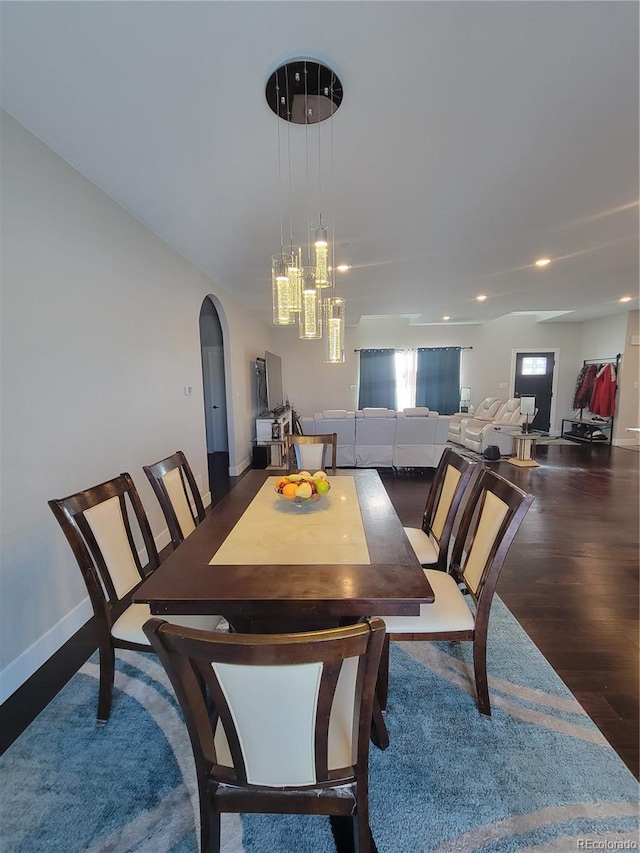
{"points": [[303, 489]]}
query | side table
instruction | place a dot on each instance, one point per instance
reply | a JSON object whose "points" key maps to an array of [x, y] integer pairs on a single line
{"points": [[525, 450]]}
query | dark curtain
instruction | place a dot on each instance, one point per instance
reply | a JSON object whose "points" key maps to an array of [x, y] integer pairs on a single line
{"points": [[438, 379], [377, 378]]}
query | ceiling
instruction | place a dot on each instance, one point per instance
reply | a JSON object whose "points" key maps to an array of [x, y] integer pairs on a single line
{"points": [[473, 138]]}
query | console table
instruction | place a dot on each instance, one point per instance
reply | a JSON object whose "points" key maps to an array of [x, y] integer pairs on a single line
{"points": [[270, 432]]}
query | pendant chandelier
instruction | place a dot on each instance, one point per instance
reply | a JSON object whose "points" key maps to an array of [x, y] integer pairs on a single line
{"points": [[306, 92]]}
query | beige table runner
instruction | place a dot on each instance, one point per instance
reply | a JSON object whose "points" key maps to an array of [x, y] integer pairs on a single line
{"points": [[273, 530]]}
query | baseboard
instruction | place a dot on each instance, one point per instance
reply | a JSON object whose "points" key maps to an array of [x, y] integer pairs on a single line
{"points": [[30, 660], [625, 442], [236, 470], [21, 668]]}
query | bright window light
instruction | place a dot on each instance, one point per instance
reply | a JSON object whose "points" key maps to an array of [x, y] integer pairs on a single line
{"points": [[406, 366], [533, 366]]}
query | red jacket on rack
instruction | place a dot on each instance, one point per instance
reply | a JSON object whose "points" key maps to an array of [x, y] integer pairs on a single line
{"points": [[603, 398]]}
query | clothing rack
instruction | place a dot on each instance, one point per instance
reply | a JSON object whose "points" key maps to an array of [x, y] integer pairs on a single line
{"points": [[608, 423], [613, 360]]}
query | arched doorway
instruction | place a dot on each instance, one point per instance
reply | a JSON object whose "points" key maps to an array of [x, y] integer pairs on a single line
{"points": [[215, 396]]}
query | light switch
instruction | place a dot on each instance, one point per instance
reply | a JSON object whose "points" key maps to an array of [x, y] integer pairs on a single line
{"points": [[188, 390], [503, 384]]}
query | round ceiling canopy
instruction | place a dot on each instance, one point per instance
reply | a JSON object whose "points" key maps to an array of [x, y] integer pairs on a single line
{"points": [[304, 91]]}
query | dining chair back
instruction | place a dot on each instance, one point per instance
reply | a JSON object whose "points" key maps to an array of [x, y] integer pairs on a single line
{"points": [[175, 487], [102, 525], [312, 452], [303, 747], [489, 523], [431, 541]]}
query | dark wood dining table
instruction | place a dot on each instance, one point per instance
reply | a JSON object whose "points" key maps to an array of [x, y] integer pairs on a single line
{"points": [[303, 593]]}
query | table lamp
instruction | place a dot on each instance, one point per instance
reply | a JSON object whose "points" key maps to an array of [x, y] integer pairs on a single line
{"points": [[527, 407], [465, 398]]}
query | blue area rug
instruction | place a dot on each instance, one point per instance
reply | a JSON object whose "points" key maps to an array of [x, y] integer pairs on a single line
{"points": [[538, 777]]}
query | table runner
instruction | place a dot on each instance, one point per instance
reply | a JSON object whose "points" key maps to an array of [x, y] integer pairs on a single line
{"points": [[273, 530]]}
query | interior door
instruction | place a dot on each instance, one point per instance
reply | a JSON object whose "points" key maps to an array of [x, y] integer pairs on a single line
{"points": [[534, 378], [215, 399]]}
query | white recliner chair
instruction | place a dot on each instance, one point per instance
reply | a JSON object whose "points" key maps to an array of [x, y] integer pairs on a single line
{"points": [[478, 435], [420, 438], [485, 412], [375, 433]]}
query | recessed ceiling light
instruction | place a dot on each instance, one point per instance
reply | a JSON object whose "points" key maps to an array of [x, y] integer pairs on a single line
{"points": [[481, 298], [626, 298], [345, 245], [446, 318], [542, 262], [343, 267]]}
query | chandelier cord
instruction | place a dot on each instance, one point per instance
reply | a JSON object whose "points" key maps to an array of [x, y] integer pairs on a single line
{"points": [[279, 166], [289, 167], [306, 152], [333, 197], [319, 148]]}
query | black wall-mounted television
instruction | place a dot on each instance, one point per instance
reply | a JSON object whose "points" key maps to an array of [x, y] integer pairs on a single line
{"points": [[275, 393]]}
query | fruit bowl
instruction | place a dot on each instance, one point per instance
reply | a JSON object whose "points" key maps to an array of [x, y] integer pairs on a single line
{"points": [[303, 489]]}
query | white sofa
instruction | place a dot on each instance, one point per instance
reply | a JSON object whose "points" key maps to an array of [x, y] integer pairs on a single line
{"points": [[341, 422], [375, 433], [497, 419], [478, 435], [420, 438], [383, 438], [485, 412]]}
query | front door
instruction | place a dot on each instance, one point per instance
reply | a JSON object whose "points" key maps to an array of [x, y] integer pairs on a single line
{"points": [[534, 378]]}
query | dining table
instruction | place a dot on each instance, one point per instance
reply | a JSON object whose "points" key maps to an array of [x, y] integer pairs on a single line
{"points": [[268, 564]]}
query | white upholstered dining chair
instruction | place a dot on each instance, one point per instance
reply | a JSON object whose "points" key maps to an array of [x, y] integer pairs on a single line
{"points": [[291, 723], [489, 523], [430, 542], [101, 524], [312, 452], [175, 487]]}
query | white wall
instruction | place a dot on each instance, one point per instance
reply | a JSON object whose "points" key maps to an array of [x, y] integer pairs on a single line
{"points": [[99, 337], [313, 386], [604, 338], [628, 404]]}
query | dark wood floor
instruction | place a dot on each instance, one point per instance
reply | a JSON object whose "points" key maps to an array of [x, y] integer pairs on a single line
{"points": [[571, 580]]}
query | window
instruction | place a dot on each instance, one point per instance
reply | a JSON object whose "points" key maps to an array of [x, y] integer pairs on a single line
{"points": [[534, 366], [405, 365]]}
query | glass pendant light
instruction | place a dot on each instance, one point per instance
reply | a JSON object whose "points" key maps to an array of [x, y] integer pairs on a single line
{"points": [[310, 322], [334, 319], [280, 289], [321, 253], [295, 281]]}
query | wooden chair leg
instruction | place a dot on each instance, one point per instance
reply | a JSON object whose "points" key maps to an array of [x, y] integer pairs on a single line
{"points": [[382, 684], [361, 828], [107, 673], [480, 670], [379, 733], [209, 821]]}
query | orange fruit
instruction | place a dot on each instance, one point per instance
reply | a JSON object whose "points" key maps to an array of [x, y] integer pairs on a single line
{"points": [[289, 491], [281, 481]]}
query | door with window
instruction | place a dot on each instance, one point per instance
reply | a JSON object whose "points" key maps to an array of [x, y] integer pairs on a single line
{"points": [[534, 378]]}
